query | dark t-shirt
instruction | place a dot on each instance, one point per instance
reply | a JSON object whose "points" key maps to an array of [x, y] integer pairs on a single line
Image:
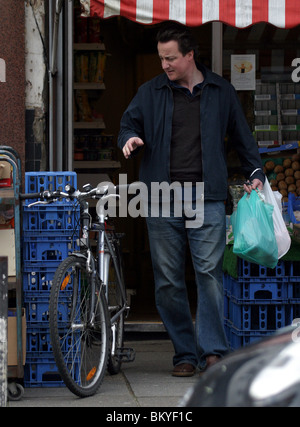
{"points": [[186, 158]]}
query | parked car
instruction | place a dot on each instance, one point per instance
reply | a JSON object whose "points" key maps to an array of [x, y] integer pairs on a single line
{"points": [[263, 374]]}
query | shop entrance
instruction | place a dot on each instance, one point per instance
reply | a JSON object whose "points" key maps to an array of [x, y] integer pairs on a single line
{"points": [[130, 54]]}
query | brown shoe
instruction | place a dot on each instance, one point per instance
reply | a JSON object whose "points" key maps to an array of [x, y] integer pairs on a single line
{"points": [[184, 370], [211, 360]]}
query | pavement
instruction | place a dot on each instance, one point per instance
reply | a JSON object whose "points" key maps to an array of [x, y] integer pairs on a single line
{"points": [[144, 383]]}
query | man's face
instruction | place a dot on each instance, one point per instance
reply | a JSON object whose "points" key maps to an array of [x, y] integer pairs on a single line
{"points": [[175, 65]]}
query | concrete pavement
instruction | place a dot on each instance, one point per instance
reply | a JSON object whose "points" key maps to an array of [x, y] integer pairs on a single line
{"points": [[146, 382]]}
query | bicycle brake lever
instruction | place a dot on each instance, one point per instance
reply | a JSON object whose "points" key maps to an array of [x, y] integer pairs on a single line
{"points": [[39, 202]]}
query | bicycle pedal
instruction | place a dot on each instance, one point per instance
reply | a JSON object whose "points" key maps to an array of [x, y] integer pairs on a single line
{"points": [[126, 354]]}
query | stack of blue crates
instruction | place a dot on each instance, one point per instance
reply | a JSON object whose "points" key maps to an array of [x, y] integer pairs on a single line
{"points": [[260, 300], [49, 236]]}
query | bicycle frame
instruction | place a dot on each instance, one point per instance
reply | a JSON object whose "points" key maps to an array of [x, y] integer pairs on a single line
{"points": [[104, 249], [103, 261]]}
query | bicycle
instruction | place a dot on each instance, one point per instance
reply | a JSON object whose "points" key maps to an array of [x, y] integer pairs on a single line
{"points": [[88, 301]]}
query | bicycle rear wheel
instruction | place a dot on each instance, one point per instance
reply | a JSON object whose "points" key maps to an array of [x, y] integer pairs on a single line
{"points": [[80, 343]]}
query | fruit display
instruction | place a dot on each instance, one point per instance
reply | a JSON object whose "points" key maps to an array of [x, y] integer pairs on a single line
{"points": [[284, 175]]}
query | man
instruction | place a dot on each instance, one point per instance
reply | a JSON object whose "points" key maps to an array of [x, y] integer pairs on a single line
{"points": [[180, 119]]}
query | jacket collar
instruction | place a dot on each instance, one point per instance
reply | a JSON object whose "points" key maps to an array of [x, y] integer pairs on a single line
{"points": [[209, 78]]}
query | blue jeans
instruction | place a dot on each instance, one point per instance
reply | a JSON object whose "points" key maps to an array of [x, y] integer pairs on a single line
{"points": [[168, 238]]}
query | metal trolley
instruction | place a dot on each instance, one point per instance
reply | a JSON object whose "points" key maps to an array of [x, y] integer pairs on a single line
{"points": [[9, 195]]}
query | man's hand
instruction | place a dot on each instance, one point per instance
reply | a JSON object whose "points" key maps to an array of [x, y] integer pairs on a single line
{"points": [[131, 145], [256, 183]]}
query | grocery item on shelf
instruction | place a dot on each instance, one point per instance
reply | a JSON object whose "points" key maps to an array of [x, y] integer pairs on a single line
{"points": [[84, 112], [284, 175], [89, 67]]}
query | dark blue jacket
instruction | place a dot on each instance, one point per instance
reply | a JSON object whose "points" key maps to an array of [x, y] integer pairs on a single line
{"points": [[149, 116]]}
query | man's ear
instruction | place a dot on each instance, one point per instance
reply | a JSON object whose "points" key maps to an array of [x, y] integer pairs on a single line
{"points": [[190, 55]]}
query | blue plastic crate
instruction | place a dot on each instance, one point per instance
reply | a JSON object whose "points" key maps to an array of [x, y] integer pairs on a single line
{"points": [[295, 309], [238, 338], [42, 371], [294, 271], [293, 205], [275, 289], [38, 342], [295, 286], [37, 278], [247, 269], [37, 308], [35, 182], [50, 262], [55, 248], [251, 316], [51, 218]]}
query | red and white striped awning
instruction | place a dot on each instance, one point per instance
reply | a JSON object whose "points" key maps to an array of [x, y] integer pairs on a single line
{"points": [[237, 13]]}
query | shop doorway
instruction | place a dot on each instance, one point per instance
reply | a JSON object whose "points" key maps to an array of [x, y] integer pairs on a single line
{"points": [[130, 60]]}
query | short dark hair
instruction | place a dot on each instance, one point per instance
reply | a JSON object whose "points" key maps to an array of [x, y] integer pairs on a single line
{"points": [[180, 33]]}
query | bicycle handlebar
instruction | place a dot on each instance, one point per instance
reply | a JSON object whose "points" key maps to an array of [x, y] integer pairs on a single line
{"points": [[98, 192], [44, 195], [30, 196]]}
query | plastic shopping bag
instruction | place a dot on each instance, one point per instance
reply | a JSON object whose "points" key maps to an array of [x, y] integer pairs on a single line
{"points": [[253, 231], [281, 232]]}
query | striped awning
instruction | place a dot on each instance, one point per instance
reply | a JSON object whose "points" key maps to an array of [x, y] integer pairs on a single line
{"points": [[237, 13]]}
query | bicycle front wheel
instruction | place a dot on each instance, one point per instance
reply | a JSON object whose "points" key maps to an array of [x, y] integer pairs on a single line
{"points": [[79, 327]]}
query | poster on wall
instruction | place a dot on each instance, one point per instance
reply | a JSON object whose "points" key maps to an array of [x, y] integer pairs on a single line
{"points": [[243, 72]]}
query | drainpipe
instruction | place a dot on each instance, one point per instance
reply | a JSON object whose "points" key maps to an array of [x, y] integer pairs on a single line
{"points": [[53, 81], [55, 37], [217, 47], [61, 85]]}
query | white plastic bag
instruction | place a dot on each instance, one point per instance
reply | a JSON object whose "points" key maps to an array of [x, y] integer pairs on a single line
{"points": [[281, 233]]}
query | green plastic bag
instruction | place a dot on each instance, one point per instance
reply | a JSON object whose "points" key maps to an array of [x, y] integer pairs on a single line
{"points": [[253, 231]]}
